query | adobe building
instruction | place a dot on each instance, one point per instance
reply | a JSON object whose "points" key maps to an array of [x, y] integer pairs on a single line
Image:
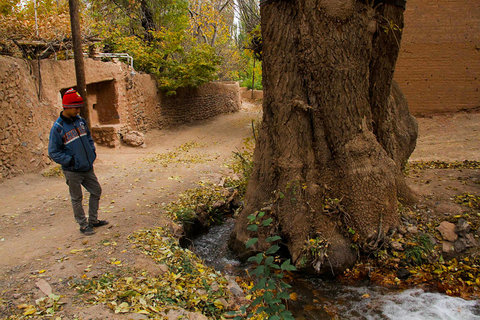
{"points": [[438, 68], [119, 103]]}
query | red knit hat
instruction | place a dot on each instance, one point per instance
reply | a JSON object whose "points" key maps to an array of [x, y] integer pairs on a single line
{"points": [[71, 99]]}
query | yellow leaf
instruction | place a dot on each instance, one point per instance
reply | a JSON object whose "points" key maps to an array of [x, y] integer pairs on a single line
{"points": [[293, 296], [143, 312], [122, 308], [42, 271], [29, 310]]}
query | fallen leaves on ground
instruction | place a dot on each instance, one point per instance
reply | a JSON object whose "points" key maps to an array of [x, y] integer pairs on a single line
{"points": [[188, 283], [206, 198], [55, 171], [420, 262], [466, 164], [181, 154]]}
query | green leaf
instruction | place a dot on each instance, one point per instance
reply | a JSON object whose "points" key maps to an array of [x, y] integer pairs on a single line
{"points": [[259, 270], [261, 214], [251, 242], [275, 266], [261, 284], [252, 227], [257, 258], [260, 310], [251, 218], [272, 239], [269, 260], [283, 295], [257, 300], [272, 250], [287, 315], [271, 284], [286, 266], [267, 222]]}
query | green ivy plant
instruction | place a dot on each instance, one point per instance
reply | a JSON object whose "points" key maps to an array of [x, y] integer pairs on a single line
{"points": [[268, 273]]}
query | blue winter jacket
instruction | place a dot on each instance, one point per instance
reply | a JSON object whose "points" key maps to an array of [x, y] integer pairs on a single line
{"points": [[71, 144]]}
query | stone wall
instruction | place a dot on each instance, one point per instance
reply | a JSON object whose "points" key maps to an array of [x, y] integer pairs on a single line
{"points": [[24, 120], [208, 100], [438, 68]]}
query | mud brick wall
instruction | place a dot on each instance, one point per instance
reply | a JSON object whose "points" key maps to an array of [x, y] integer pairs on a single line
{"points": [[246, 94], [24, 121], [207, 101], [142, 104], [107, 136], [439, 64]]}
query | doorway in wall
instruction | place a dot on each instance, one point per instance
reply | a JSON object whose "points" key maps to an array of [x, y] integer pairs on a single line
{"points": [[102, 103]]}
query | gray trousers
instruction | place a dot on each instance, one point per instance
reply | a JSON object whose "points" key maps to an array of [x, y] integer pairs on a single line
{"points": [[75, 181]]}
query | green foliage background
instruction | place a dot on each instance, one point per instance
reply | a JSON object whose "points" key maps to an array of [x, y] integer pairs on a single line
{"points": [[183, 43]]}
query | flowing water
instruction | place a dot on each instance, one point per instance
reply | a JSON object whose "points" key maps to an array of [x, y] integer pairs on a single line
{"points": [[320, 299]]}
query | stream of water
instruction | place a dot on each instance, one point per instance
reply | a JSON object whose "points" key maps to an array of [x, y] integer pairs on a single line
{"points": [[319, 299]]}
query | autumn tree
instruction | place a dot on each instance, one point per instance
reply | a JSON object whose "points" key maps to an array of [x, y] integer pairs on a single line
{"points": [[182, 43], [23, 35], [336, 131]]}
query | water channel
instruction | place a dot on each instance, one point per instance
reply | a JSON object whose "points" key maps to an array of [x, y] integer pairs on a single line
{"points": [[319, 299]]}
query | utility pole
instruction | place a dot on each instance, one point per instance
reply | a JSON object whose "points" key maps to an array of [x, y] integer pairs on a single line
{"points": [[78, 57], [253, 76]]}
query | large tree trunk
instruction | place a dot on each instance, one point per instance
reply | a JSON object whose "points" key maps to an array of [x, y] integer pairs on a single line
{"points": [[334, 127]]}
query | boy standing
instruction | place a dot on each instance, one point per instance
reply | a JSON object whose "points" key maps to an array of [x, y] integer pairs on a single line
{"points": [[71, 145]]}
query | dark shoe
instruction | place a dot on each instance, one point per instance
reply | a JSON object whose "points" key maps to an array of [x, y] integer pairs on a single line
{"points": [[88, 231], [99, 223]]}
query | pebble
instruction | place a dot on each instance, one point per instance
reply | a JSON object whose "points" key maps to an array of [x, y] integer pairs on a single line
{"points": [[447, 230], [412, 230], [447, 247], [462, 227], [460, 245], [397, 246]]}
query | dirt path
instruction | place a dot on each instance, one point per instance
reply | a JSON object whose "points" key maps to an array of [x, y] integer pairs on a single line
{"points": [[39, 238], [38, 231]]}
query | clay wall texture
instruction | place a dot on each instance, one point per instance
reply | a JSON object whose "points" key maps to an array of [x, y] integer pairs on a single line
{"points": [[438, 68], [24, 120], [204, 102]]}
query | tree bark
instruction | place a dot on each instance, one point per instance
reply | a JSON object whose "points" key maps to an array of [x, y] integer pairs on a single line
{"points": [[147, 20], [78, 56], [335, 131]]}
